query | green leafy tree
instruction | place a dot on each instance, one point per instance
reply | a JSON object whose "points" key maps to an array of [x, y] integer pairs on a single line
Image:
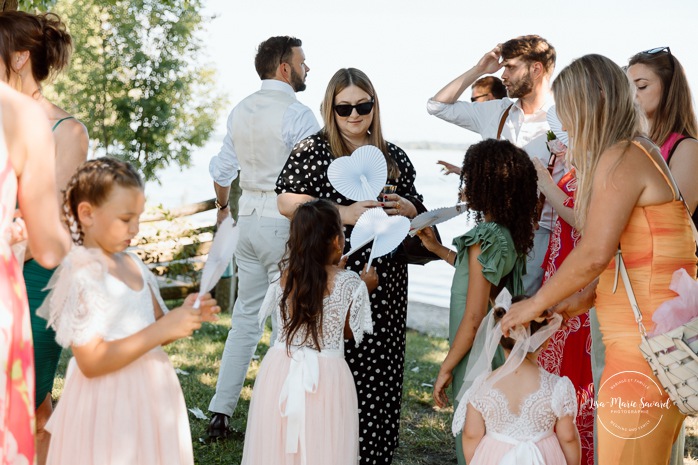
{"points": [[135, 81]]}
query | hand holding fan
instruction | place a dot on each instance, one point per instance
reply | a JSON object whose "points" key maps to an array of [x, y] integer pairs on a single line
{"points": [[360, 176], [436, 216], [387, 232], [222, 249]]}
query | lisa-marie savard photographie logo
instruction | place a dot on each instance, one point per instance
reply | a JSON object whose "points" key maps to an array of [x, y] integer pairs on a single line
{"points": [[630, 405]]}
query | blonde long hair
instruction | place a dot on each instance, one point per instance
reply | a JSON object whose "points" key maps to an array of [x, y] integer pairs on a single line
{"points": [[595, 101], [342, 79]]}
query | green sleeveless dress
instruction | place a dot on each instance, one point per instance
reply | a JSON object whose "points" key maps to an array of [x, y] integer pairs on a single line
{"points": [[46, 351], [499, 260]]}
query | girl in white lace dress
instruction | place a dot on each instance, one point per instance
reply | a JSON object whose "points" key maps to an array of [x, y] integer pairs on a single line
{"points": [[518, 414], [304, 408], [122, 402]]}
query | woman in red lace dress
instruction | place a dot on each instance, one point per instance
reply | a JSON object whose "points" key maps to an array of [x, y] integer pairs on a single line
{"points": [[569, 350]]}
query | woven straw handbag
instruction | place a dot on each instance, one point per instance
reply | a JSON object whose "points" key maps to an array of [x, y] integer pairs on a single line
{"points": [[671, 355]]}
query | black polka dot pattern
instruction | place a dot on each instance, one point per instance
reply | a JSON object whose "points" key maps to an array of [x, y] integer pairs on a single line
{"points": [[378, 363]]}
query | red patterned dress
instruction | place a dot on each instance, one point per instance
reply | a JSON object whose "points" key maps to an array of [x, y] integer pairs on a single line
{"points": [[16, 352], [569, 350]]}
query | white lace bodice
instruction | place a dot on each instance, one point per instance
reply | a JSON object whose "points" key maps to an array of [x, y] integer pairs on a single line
{"points": [[349, 293], [537, 414], [86, 301]]}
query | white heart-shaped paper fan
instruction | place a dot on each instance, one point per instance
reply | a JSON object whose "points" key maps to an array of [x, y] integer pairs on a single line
{"points": [[360, 176], [387, 232], [556, 126], [436, 216], [222, 250]]}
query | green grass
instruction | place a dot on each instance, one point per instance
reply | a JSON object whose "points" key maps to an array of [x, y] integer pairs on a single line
{"points": [[424, 431]]}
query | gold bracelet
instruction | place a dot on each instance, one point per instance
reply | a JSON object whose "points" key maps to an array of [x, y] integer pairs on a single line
{"points": [[448, 255]]}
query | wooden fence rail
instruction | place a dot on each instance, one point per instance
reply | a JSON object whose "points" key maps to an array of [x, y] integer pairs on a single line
{"points": [[176, 256]]}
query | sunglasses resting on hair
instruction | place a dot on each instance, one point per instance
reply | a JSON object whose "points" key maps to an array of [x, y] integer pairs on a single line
{"points": [[652, 51], [362, 109]]}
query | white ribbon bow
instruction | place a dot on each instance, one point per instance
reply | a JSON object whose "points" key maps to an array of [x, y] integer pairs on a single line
{"points": [[523, 453], [302, 378]]}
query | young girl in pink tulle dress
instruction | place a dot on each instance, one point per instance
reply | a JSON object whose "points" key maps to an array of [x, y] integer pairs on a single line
{"points": [[122, 402], [519, 413], [304, 407]]}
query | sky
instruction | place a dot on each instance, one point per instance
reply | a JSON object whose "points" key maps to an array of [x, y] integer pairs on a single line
{"points": [[412, 48]]}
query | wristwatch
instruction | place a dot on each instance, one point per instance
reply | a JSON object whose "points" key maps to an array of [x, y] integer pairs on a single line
{"points": [[219, 206]]}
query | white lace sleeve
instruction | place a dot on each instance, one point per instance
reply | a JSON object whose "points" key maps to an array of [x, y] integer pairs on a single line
{"points": [[459, 414], [564, 401], [77, 304], [360, 321], [151, 281], [271, 301]]}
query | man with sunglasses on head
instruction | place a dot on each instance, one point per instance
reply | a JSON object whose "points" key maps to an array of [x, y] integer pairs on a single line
{"points": [[262, 130], [483, 90], [528, 63], [487, 88]]}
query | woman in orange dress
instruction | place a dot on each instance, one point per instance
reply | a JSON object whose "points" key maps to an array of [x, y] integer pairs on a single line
{"points": [[624, 196]]}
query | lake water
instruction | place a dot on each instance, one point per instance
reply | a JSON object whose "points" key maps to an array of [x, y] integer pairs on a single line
{"points": [[429, 284]]}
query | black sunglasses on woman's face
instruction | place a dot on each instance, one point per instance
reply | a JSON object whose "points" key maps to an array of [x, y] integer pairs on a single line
{"points": [[344, 110]]}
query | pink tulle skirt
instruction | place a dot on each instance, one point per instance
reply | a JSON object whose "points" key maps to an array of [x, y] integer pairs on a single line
{"points": [[491, 451], [331, 415], [135, 415]]}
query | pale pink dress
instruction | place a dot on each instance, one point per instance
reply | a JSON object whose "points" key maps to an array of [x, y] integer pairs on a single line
{"points": [[135, 415], [304, 409], [527, 437]]}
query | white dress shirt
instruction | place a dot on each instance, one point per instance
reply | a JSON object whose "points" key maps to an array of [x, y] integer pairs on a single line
{"points": [[526, 131]]}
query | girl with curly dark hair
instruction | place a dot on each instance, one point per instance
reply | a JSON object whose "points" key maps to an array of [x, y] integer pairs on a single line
{"points": [[498, 183], [304, 405]]}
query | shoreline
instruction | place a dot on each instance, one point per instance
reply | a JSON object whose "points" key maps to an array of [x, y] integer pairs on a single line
{"points": [[427, 319]]}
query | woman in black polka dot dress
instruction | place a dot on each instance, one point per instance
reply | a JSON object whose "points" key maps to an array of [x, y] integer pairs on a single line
{"points": [[351, 114]]}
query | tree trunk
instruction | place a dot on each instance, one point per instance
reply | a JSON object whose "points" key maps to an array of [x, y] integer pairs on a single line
{"points": [[9, 5]]}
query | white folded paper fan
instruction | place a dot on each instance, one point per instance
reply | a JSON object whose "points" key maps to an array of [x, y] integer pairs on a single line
{"points": [[436, 216], [360, 176], [556, 126], [387, 232], [222, 250]]}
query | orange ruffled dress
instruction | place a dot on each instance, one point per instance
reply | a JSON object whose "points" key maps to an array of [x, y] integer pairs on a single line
{"points": [[656, 241]]}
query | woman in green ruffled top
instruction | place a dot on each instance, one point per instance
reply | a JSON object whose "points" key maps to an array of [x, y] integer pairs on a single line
{"points": [[498, 183]]}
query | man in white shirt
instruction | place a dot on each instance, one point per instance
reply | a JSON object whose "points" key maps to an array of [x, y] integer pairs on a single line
{"points": [[528, 63], [262, 130]]}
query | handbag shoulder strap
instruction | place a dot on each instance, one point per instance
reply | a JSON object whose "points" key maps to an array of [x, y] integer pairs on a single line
{"points": [[620, 266], [502, 120]]}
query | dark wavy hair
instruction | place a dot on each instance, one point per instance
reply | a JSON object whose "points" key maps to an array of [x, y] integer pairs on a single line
{"points": [[499, 180], [313, 228]]}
